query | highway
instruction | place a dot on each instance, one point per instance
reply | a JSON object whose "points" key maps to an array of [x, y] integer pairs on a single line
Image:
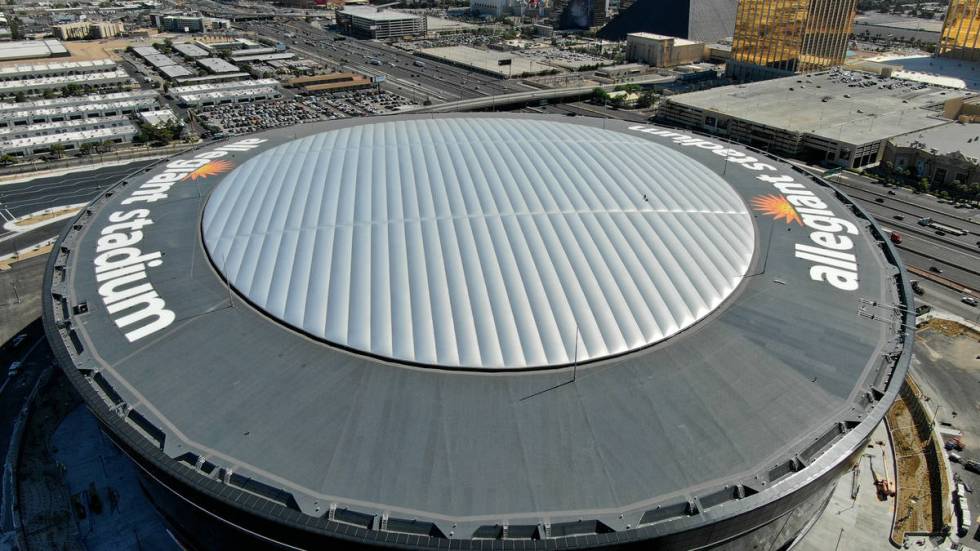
{"points": [[440, 82], [957, 256]]}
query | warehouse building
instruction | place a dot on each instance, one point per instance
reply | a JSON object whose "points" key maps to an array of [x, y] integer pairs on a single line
{"points": [[216, 65], [94, 80], [57, 69], [71, 140], [330, 82], [190, 51], [225, 97], [164, 64], [841, 117], [32, 49], [371, 22], [78, 100], [61, 127], [98, 106]]}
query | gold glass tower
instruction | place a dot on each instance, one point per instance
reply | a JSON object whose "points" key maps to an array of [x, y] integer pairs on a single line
{"points": [[774, 37], [961, 31]]}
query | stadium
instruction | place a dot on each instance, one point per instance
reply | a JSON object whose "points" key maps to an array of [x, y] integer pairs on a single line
{"points": [[481, 331]]}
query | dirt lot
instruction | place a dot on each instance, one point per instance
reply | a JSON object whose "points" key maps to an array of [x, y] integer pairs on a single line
{"points": [[922, 482]]}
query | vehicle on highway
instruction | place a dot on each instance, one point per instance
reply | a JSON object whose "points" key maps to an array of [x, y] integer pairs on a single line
{"points": [[14, 369], [925, 221], [898, 217], [418, 63], [916, 288], [891, 192], [879, 200], [940, 233], [896, 237], [968, 300], [935, 269], [18, 339]]}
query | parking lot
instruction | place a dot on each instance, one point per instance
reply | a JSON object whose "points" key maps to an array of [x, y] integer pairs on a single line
{"points": [[243, 118], [356, 103]]}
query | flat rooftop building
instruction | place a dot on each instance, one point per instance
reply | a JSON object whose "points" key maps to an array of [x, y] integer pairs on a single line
{"points": [[263, 57], [838, 116], [371, 22], [95, 109], [70, 140], [60, 127], [93, 79], [157, 117], [218, 86], [78, 100], [224, 97], [32, 49], [217, 65], [943, 154], [190, 50], [330, 82], [56, 69]]}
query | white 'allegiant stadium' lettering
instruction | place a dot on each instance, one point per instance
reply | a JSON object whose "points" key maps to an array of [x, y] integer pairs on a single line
{"points": [[832, 266], [121, 266]]}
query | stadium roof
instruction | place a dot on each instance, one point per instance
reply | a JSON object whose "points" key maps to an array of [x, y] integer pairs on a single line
{"points": [[773, 388], [498, 244]]}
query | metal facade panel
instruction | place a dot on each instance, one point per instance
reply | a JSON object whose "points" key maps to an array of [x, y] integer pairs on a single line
{"points": [[481, 243]]}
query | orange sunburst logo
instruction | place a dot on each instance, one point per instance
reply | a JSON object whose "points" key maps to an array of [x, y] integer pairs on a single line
{"points": [[778, 207], [211, 169]]}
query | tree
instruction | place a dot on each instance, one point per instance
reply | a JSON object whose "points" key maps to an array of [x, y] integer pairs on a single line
{"points": [[86, 148], [58, 150], [7, 159], [599, 95], [47, 94], [645, 100], [20, 97]]}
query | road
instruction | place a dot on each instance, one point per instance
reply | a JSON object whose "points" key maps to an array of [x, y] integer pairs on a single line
{"points": [[899, 210], [436, 81], [23, 198]]}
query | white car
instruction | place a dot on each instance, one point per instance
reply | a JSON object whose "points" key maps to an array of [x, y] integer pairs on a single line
{"points": [[13, 369], [969, 300]]}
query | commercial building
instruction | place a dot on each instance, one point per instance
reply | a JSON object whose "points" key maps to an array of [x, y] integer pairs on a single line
{"points": [[371, 22], [261, 58], [93, 80], [70, 138], [943, 154], [202, 95], [181, 23], [579, 14], [190, 51], [32, 49], [331, 82], [56, 69], [158, 117], [481, 331], [493, 8], [701, 20], [84, 30], [775, 39], [841, 117], [94, 107], [163, 63], [960, 37], [217, 65], [662, 51]]}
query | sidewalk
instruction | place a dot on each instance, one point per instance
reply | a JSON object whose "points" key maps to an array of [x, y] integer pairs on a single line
{"points": [[863, 523]]}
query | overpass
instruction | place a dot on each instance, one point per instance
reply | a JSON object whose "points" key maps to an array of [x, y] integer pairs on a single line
{"points": [[535, 97]]}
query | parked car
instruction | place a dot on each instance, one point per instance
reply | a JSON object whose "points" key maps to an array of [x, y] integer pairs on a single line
{"points": [[935, 269]]}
